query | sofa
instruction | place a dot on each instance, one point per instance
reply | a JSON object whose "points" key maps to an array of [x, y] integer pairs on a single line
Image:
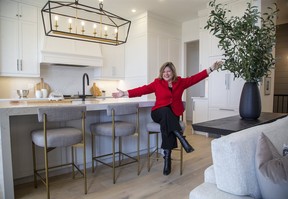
{"points": [[252, 163]]}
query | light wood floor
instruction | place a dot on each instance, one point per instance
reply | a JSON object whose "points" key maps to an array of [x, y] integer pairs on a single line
{"points": [[150, 185]]}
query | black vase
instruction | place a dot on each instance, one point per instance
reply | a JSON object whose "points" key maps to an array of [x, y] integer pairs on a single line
{"points": [[250, 101]]}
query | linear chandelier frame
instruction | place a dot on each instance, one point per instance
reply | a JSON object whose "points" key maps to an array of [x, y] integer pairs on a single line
{"points": [[72, 20]]}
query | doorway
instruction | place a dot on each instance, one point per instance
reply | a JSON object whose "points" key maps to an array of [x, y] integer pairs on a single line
{"points": [[192, 67]]}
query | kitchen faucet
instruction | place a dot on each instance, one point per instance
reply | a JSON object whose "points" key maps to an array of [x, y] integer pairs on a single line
{"points": [[83, 84]]}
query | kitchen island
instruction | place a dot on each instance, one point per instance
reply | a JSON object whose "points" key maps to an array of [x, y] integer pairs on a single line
{"points": [[18, 118]]}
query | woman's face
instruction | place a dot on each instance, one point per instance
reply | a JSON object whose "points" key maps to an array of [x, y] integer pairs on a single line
{"points": [[167, 74]]}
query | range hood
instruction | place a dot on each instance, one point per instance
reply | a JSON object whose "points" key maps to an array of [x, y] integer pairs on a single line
{"points": [[66, 52]]}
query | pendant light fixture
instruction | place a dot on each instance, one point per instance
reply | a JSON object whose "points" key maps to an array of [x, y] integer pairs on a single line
{"points": [[72, 20]]}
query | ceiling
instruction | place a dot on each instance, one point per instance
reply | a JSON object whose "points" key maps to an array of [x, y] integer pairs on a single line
{"points": [[176, 10]]}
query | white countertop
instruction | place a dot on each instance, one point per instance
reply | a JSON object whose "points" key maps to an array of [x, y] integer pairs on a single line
{"points": [[92, 104]]}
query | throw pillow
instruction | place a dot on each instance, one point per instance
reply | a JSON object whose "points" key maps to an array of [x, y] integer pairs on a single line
{"points": [[271, 170]]}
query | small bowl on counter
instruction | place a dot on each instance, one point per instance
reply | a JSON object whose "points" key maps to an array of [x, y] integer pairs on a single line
{"points": [[22, 93]]}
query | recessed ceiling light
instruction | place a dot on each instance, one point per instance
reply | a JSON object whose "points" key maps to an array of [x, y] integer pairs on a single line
{"points": [[133, 10]]}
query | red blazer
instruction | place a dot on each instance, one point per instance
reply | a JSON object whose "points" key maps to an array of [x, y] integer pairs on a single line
{"points": [[164, 96]]}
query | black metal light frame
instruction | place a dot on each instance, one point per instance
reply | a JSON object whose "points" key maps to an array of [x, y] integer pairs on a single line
{"points": [[88, 15]]}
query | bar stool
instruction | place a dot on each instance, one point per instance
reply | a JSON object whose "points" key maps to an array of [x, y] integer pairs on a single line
{"points": [[51, 138], [117, 127], [153, 128]]}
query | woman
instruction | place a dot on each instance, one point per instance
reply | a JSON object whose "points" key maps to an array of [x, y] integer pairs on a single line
{"points": [[168, 89]]}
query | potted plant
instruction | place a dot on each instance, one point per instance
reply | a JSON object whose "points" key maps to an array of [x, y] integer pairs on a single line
{"points": [[247, 43]]}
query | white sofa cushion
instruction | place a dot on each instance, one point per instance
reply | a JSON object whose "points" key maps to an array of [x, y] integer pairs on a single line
{"points": [[209, 175], [210, 191], [234, 159]]}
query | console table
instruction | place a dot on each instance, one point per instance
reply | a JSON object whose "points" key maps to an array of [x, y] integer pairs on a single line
{"points": [[227, 125]]}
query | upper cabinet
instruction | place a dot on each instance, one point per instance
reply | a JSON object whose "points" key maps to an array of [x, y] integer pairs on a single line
{"points": [[19, 39], [113, 63]]}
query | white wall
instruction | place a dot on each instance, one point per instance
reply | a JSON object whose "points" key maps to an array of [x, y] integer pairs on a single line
{"points": [[190, 31]]}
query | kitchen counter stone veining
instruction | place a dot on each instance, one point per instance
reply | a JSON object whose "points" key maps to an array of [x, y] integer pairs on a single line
{"points": [[13, 116]]}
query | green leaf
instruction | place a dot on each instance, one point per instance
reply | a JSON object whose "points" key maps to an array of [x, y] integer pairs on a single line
{"points": [[247, 47]]}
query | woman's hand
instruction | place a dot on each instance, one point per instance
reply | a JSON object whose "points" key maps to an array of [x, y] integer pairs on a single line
{"points": [[216, 65], [119, 94]]}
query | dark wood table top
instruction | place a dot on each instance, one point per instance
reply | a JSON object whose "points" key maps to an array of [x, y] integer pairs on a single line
{"points": [[227, 125]]}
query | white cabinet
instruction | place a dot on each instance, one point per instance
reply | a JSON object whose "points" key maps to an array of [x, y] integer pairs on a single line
{"points": [[200, 111], [224, 93], [19, 39], [113, 63]]}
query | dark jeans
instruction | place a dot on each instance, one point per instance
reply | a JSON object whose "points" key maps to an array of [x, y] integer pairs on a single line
{"points": [[169, 122]]}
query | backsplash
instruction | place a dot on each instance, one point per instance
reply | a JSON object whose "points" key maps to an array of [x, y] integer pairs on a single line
{"points": [[67, 80]]}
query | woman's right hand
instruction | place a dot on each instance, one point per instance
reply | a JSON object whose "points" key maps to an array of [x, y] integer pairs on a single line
{"points": [[119, 94]]}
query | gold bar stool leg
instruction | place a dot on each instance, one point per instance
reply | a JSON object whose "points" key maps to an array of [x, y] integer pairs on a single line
{"points": [[138, 142], [113, 152], [46, 159], [84, 152], [148, 154], [181, 160], [92, 148], [157, 147], [34, 165], [73, 162], [120, 150], [138, 153]]}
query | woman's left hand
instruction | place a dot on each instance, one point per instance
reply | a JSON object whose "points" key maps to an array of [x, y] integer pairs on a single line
{"points": [[216, 65]]}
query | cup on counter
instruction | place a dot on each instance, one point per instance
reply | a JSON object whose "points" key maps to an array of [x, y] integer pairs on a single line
{"points": [[44, 93], [38, 94]]}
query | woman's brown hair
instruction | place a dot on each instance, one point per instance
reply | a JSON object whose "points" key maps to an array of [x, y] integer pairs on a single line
{"points": [[172, 68]]}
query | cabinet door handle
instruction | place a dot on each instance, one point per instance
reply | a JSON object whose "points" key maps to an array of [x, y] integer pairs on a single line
{"points": [[227, 81], [226, 109], [193, 106], [17, 64], [21, 64]]}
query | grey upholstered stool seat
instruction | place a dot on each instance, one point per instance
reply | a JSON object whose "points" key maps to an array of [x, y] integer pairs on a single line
{"points": [[154, 128], [60, 137], [117, 129], [50, 138], [121, 128]]}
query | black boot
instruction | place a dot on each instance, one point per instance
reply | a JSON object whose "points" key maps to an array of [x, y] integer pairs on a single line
{"points": [[188, 148], [167, 162]]}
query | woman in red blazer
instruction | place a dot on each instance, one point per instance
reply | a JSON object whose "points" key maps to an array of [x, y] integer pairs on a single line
{"points": [[168, 89]]}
